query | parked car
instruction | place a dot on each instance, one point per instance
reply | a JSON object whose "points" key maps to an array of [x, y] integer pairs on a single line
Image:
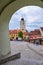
{"points": [[20, 39]]}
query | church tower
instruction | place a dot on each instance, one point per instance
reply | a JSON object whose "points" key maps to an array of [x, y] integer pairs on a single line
{"points": [[22, 24]]}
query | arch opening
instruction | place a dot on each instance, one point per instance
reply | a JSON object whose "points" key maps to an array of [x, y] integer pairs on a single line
{"points": [[33, 18], [33, 21], [6, 15]]}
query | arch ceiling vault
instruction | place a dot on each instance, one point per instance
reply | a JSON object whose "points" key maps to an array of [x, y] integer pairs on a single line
{"points": [[5, 3]]}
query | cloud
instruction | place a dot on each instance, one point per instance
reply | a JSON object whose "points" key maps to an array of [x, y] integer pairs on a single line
{"points": [[31, 28], [33, 16], [31, 19]]}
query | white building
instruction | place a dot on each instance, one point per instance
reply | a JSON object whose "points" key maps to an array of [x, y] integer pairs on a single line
{"points": [[41, 30]]}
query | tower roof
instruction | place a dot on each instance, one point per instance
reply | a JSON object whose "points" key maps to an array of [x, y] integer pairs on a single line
{"points": [[22, 19]]}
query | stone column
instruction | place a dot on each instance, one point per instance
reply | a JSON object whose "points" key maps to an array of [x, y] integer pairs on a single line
{"points": [[0, 39], [5, 43]]}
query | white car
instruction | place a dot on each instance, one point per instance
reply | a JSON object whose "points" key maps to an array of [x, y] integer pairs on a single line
{"points": [[19, 38]]}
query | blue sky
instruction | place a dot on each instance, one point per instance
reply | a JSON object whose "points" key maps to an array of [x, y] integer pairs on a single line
{"points": [[33, 16]]}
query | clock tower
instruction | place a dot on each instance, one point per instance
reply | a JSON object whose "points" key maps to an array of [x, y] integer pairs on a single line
{"points": [[22, 24]]}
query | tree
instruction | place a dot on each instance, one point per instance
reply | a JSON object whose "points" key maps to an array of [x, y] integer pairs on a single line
{"points": [[20, 34]]}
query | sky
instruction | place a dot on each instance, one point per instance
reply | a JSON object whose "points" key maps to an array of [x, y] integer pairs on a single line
{"points": [[33, 16]]}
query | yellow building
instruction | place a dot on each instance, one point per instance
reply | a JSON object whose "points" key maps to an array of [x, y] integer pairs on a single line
{"points": [[13, 34]]}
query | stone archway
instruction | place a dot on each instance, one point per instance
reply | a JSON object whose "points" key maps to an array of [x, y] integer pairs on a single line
{"points": [[5, 18]]}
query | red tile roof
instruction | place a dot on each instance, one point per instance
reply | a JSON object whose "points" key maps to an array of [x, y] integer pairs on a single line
{"points": [[25, 33], [35, 37], [18, 30], [35, 34], [13, 31]]}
